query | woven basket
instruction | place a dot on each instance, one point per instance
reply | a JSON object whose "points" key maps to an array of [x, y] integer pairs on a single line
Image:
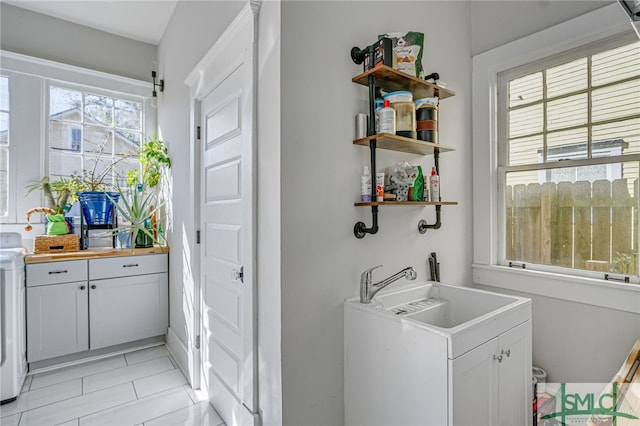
{"points": [[56, 243]]}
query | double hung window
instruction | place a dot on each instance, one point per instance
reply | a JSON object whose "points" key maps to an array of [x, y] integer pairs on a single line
{"points": [[569, 161]]}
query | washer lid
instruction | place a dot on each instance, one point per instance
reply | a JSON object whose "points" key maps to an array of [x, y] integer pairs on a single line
{"points": [[10, 240], [10, 255]]}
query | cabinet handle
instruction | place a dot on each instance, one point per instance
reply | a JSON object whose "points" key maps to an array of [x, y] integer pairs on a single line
{"points": [[58, 272], [130, 265], [507, 352], [82, 287], [497, 358], [93, 287]]}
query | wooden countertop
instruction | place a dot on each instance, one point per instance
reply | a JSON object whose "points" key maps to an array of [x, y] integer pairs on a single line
{"points": [[92, 254]]}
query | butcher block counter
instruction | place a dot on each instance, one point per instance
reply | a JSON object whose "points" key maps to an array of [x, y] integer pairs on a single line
{"points": [[93, 253]]}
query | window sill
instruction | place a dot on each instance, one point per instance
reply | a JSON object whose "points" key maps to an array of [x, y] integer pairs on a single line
{"points": [[618, 296]]}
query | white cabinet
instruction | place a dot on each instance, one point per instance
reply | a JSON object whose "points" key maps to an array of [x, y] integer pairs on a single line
{"points": [[75, 306], [443, 355], [483, 381], [57, 309]]}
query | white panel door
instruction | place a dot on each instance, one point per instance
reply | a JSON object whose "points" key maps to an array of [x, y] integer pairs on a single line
{"points": [[227, 247]]}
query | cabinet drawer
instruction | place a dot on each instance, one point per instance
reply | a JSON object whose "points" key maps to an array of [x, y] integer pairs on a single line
{"points": [[125, 266], [56, 272]]}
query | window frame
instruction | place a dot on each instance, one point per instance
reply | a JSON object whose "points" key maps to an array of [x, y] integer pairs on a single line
{"points": [[593, 27], [31, 78], [11, 147]]}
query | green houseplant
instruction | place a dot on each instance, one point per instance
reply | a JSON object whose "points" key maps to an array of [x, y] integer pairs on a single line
{"points": [[142, 199], [154, 159], [137, 207], [59, 195]]}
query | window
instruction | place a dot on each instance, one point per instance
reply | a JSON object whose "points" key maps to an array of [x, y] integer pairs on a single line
{"points": [[4, 146], [56, 130], [92, 131], [569, 160]]}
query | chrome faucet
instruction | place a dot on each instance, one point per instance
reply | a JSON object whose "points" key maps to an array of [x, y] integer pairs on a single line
{"points": [[368, 289]]}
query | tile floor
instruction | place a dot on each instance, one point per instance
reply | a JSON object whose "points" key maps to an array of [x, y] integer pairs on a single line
{"points": [[138, 388]]}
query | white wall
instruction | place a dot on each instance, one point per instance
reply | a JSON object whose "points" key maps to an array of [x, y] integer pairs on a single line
{"points": [[494, 23], [30, 33], [322, 260], [193, 29]]}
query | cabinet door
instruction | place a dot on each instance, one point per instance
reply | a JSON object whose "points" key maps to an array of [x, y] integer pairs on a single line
{"points": [[515, 376], [473, 396], [127, 309], [57, 320]]}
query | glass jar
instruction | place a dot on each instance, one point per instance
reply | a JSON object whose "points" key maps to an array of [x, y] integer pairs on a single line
{"points": [[402, 102]]}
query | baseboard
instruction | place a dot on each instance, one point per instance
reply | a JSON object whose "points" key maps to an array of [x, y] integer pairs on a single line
{"points": [[179, 352], [88, 356]]}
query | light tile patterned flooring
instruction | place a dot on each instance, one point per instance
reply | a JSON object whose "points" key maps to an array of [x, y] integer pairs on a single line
{"points": [[137, 388]]}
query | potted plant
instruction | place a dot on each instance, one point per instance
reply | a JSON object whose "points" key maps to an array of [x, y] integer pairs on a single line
{"points": [[137, 208], [154, 159], [152, 178], [59, 196], [95, 189]]}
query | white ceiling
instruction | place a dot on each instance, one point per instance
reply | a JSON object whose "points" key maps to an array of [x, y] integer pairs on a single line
{"points": [[139, 20]]}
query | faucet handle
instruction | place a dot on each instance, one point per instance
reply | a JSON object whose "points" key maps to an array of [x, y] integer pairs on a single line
{"points": [[366, 275]]}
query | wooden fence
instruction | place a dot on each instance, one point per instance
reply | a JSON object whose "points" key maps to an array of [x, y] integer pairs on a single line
{"points": [[579, 225]]}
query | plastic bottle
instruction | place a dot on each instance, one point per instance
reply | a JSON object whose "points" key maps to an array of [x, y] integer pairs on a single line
{"points": [[434, 185], [379, 106], [387, 119], [380, 186], [160, 235], [365, 185], [402, 103]]}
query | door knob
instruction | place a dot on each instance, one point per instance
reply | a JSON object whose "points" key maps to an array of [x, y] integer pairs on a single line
{"points": [[237, 275], [507, 352], [93, 287], [82, 287], [497, 358]]}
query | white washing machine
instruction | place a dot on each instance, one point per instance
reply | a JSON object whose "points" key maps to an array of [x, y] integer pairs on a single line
{"points": [[13, 359]]}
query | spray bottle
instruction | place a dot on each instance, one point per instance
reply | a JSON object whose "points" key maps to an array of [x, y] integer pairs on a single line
{"points": [[434, 185], [365, 185]]}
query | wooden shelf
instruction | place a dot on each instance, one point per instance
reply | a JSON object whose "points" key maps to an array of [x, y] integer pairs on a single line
{"points": [[391, 80], [402, 144], [406, 203]]}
